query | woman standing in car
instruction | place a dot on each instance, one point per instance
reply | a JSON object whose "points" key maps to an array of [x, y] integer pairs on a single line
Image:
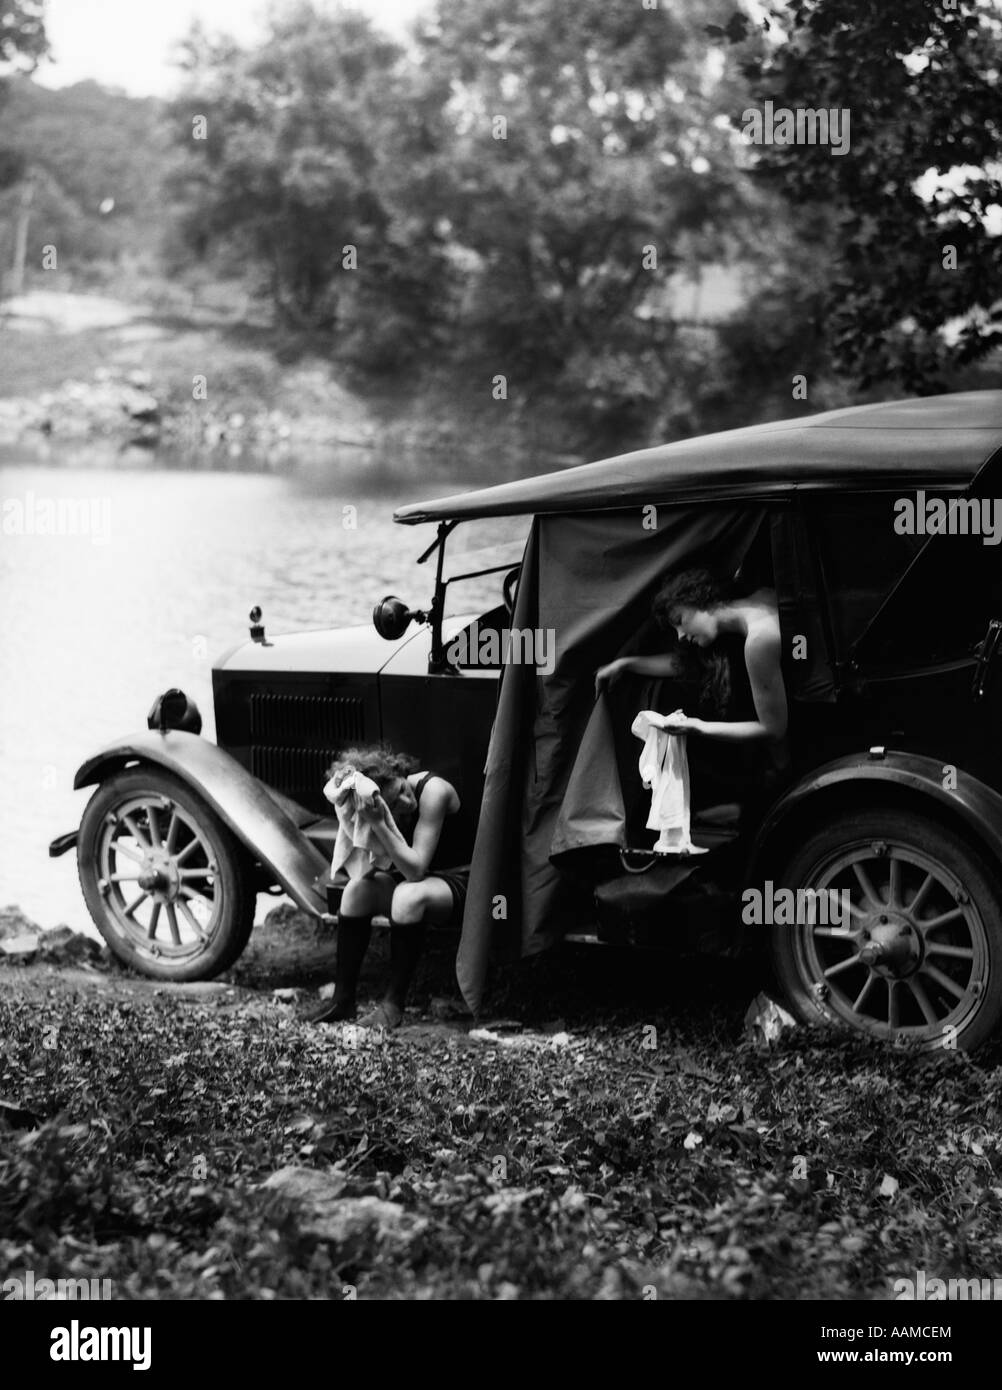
{"points": [[743, 687]]}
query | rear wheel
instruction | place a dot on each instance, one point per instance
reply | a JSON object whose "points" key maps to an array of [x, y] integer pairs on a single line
{"points": [[918, 957], [166, 882]]}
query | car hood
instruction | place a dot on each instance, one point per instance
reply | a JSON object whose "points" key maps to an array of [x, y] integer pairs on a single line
{"points": [[347, 649]]}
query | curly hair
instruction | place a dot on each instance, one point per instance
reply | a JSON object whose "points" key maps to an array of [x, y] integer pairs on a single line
{"points": [[376, 760], [702, 590]]}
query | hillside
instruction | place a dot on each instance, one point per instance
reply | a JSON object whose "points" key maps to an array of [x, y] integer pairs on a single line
{"points": [[89, 148]]}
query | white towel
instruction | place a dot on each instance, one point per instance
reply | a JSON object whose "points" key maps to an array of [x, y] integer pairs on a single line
{"points": [[664, 769], [357, 848]]}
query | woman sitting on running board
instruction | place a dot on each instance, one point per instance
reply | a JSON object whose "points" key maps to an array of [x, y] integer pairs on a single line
{"points": [[405, 817]]}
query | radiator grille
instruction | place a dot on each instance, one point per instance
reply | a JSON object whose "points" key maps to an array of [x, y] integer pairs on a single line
{"points": [[291, 770], [300, 722]]}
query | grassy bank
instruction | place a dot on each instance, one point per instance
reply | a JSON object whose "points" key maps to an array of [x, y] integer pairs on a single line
{"points": [[630, 1138]]}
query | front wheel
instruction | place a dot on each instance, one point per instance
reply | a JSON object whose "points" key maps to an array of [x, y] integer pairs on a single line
{"points": [[165, 881], [898, 934]]}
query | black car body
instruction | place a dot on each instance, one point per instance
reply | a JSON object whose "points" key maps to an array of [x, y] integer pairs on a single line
{"points": [[891, 628]]}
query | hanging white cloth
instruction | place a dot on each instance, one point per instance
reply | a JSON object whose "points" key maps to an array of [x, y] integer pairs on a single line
{"points": [[357, 849], [664, 770]]}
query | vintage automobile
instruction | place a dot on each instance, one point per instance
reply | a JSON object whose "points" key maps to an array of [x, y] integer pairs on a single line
{"points": [[877, 527]]}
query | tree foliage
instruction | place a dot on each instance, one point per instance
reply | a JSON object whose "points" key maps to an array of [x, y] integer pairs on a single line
{"points": [[583, 140], [22, 44], [86, 145], [526, 188], [308, 150], [520, 186], [920, 80], [22, 33]]}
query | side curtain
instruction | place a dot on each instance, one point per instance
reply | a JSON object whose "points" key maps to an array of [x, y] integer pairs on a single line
{"points": [[495, 870], [588, 580]]}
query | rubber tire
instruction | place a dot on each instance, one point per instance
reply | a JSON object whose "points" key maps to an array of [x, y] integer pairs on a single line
{"points": [[940, 843], [234, 876]]}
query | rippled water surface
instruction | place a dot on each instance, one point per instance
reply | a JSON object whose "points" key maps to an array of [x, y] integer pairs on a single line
{"points": [[92, 627]]}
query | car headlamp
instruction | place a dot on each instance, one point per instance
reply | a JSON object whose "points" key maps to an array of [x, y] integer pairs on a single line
{"points": [[174, 710]]}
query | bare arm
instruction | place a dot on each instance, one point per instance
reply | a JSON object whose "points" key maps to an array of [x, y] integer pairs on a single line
{"points": [[661, 664], [439, 800], [762, 656]]}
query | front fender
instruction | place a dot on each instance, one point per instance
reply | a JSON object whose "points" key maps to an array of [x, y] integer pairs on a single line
{"points": [[239, 799], [972, 804]]}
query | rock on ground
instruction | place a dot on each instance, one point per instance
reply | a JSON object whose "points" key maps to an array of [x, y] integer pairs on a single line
{"points": [[353, 1224], [22, 941]]}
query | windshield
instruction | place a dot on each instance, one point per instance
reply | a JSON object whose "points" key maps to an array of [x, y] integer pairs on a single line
{"points": [[486, 543]]}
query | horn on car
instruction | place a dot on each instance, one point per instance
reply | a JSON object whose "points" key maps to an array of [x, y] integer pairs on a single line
{"points": [[391, 617]]}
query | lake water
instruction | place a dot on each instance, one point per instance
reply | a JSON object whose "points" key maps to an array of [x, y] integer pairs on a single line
{"points": [[93, 626]]}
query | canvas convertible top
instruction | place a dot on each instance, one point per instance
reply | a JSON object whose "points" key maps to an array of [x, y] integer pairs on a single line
{"points": [[554, 774], [897, 443]]}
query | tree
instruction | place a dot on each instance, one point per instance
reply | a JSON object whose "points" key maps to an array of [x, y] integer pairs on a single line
{"points": [[88, 147], [22, 44], [297, 156], [586, 167], [22, 34], [920, 80]]}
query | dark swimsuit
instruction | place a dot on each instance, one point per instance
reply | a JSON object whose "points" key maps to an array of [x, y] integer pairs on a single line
{"points": [[456, 879], [750, 773]]}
